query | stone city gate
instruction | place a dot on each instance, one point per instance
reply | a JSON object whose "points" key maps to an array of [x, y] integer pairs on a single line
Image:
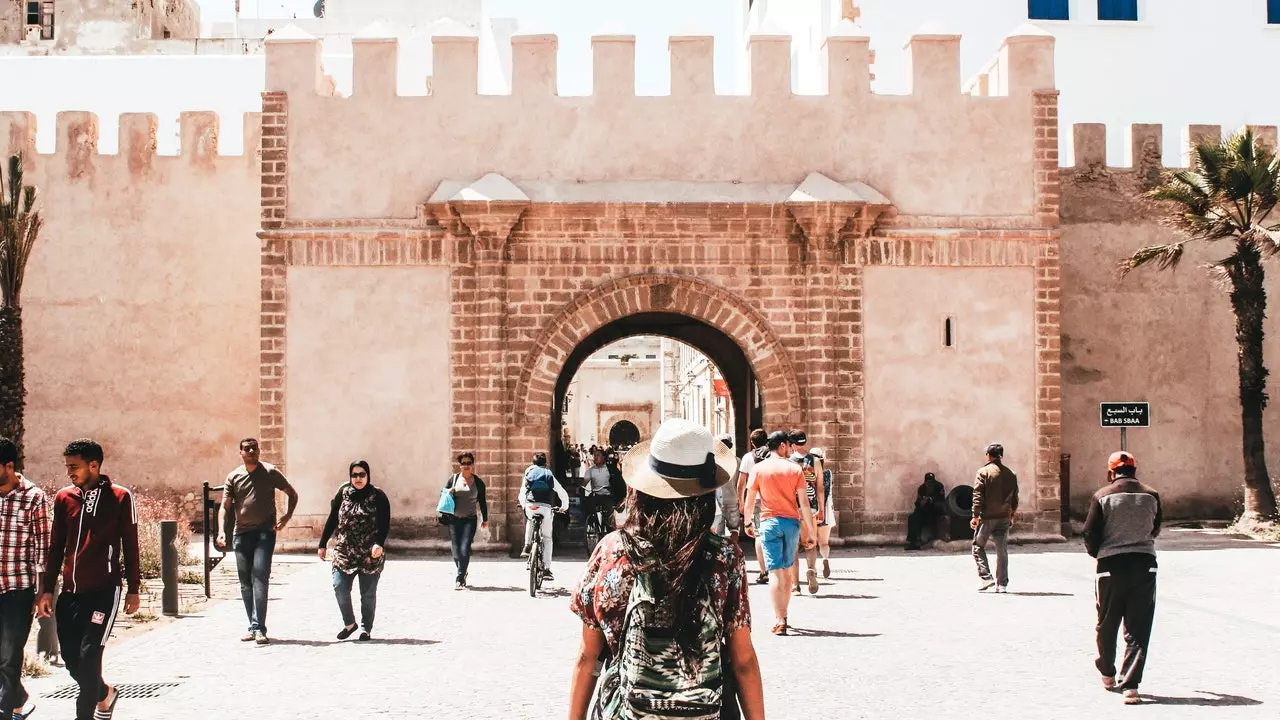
{"points": [[833, 290]]}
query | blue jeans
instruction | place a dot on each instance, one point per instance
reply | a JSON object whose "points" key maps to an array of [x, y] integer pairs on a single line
{"points": [[368, 598], [253, 562], [15, 627], [461, 534]]}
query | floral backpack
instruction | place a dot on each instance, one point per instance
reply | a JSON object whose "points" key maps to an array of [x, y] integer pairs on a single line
{"points": [[649, 678]]}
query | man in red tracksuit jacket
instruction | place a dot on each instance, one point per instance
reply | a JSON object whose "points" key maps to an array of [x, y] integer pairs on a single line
{"points": [[95, 541]]}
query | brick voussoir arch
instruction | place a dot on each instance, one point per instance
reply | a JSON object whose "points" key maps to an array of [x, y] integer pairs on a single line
{"points": [[622, 297]]}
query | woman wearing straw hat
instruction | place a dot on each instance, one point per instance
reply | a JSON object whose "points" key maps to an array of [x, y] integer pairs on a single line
{"points": [[666, 571]]}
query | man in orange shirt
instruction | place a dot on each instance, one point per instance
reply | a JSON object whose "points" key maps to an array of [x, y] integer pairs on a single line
{"points": [[779, 486]]}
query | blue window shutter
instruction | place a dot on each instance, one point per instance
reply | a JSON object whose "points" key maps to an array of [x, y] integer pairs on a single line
{"points": [[1118, 10], [1049, 9], [1273, 12]]}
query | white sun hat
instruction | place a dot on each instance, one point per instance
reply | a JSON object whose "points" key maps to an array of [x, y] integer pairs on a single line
{"points": [[682, 460]]}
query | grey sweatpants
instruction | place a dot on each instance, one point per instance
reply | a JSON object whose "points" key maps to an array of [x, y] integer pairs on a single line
{"points": [[997, 530]]}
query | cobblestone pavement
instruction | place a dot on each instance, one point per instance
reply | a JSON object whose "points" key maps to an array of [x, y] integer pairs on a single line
{"points": [[889, 636]]}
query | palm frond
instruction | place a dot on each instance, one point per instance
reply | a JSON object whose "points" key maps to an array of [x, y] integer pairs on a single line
{"points": [[1229, 192], [1164, 257], [20, 226]]}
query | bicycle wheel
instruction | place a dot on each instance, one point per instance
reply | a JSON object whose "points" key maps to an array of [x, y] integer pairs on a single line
{"points": [[593, 531], [535, 568]]}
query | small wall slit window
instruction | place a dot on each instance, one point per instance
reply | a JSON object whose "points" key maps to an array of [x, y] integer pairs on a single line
{"points": [[1049, 9], [949, 332], [1118, 10]]}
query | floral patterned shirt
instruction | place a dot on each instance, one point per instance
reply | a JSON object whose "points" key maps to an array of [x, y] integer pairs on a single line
{"points": [[601, 597]]}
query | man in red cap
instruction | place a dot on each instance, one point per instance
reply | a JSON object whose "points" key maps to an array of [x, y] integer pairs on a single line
{"points": [[1120, 531]]}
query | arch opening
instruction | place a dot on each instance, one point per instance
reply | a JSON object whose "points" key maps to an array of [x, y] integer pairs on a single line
{"points": [[624, 434], [745, 401]]}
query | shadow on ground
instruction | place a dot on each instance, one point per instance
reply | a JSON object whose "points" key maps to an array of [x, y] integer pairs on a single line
{"points": [[802, 632], [1216, 700]]}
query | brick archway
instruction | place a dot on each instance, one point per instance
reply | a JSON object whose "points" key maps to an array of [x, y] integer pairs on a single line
{"points": [[610, 301]]}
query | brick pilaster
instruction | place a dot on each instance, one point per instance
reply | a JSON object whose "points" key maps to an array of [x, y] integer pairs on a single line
{"points": [[1048, 323], [1048, 186], [274, 301]]}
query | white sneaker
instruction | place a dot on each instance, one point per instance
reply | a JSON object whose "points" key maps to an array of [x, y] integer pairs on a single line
{"points": [[1131, 697], [986, 585]]}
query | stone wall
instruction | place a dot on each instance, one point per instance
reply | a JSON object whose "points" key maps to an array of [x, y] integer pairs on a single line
{"points": [[141, 300], [1163, 337]]}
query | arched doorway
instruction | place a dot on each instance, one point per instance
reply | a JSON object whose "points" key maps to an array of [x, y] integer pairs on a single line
{"points": [[624, 434], [720, 349]]}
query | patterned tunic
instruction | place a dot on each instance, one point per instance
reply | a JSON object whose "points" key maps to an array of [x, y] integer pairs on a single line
{"points": [[601, 597], [357, 532]]}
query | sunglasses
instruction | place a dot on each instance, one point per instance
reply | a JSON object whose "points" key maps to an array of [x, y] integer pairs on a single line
{"points": [[360, 474], [466, 464]]}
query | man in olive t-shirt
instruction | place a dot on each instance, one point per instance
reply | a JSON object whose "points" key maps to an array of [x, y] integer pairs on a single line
{"points": [[250, 493]]}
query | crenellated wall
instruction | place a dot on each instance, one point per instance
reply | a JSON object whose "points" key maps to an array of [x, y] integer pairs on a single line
{"points": [[141, 299], [936, 151], [321, 287], [1163, 337]]}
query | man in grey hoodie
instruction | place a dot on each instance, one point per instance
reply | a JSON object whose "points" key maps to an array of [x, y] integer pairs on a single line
{"points": [[1120, 531]]}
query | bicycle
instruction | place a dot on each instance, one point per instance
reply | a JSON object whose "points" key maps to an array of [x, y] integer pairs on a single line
{"points": [[537, 568], [595, 524]]}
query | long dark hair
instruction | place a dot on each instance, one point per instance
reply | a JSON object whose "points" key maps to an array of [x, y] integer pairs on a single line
{"points": [[678, 532]]}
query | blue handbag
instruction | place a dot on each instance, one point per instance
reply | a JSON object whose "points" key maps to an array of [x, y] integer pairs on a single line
{"points": [[446, 505]]}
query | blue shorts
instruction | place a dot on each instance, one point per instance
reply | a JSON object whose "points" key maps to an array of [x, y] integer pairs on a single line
{"points": [[780, 541]]}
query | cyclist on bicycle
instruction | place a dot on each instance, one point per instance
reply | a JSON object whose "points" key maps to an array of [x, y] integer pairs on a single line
{"points": [[599, 491], [542, 490]]}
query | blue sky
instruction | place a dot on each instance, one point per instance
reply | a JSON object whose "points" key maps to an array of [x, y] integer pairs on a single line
{"points": [[575, 21]]}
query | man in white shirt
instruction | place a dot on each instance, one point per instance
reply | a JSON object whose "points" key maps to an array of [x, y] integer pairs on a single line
{"points": [[542, 490], [728, 515], [758, 439]]}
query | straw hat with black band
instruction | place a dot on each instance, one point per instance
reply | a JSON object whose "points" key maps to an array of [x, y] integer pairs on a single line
{"points": [[682, 460]]}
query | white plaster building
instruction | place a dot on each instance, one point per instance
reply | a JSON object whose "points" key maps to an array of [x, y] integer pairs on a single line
{"points": [[618, 386], [1149, 70], [694, 388]]}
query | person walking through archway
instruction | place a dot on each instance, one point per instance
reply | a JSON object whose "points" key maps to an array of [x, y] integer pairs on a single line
{"points": [[995, 504], [469, 500], [94, 543], [359, 520], [758, 451], [249, 496], [779, 485], [663, 600], [598, 487], [1120, 531], [811, 466], [24, 543]]}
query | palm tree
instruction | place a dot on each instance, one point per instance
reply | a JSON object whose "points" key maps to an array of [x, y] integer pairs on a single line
{"points": [[20, 224], [1228, 194]]}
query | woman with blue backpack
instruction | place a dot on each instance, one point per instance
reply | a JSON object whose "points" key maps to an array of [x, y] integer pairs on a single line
{"points": [[663, 600]]}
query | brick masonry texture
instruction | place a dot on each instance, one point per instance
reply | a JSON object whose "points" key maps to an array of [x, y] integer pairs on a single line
{"points": [[531, 281]]}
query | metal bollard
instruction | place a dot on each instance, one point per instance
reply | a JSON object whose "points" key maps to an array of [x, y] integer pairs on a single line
{"points": [[169, 566]]}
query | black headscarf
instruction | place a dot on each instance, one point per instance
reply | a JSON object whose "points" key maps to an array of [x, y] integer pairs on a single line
{"points": [[368, 486]]}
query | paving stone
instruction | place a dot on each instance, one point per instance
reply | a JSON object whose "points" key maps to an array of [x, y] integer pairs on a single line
{"points": [[890, 635]]}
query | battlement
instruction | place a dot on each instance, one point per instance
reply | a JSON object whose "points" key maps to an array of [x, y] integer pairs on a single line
{"points": [[1144, 145], [77, 140], [294, 65]]}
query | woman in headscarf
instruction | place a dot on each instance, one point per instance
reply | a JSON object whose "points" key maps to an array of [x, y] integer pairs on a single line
{"points": [[685, 648], [359, 520]]}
